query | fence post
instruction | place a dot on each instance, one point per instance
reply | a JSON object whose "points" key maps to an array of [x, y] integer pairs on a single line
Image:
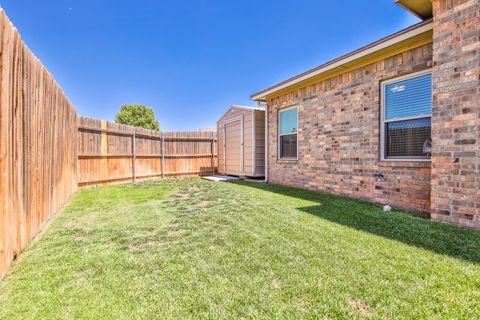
{"points": [[133, 155], [212, 156], [104, 151], [163, 156]]}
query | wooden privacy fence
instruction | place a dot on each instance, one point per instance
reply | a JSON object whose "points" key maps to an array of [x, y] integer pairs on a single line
{"points": [[111, 153], [46, 151], [38, 144]]}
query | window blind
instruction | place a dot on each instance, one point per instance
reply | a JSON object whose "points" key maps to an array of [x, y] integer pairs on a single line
{"points": [[407, 120], [409, 98]]}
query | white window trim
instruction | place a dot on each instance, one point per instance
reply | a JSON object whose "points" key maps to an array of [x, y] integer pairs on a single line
{"points": [[383, 121], [279, 157]]}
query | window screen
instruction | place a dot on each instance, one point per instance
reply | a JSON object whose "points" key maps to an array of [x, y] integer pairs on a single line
{"points": [[288, 120], [407, 138], [407, 117], [288, 146]]}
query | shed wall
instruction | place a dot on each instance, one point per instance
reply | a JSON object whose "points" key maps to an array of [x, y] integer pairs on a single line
{"points": [[253, 142], [259, 143]]}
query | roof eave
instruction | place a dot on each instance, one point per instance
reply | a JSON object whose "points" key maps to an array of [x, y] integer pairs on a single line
{"points": [[358, 54], [422, 9]]}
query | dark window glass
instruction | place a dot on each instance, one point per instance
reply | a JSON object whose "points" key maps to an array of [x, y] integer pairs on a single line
{"points": [[408, 138], [288, 146]]}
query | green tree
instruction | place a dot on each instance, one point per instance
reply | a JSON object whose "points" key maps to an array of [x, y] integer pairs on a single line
{"points": [[138, 116]]}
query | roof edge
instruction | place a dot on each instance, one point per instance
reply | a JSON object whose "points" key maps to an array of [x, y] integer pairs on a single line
{"points": [[416, 14], [414, 9], [385, 42], [245, 107], [236, 106]]}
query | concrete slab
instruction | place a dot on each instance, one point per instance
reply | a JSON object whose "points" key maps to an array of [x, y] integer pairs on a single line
{"points": [[261, 180], [221, 178]]}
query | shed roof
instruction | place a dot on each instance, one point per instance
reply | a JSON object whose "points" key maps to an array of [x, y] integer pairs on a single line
{"points": [[237, 106], [401, 41]]}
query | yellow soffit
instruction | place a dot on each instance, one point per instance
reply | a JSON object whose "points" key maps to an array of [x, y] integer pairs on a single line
{"points": [[423, 9]]}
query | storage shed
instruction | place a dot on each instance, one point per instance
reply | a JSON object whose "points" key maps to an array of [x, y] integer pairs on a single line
{"points": [[241, 141]]}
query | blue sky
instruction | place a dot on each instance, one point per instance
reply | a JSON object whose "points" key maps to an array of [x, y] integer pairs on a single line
{"points": [[189, 60]]}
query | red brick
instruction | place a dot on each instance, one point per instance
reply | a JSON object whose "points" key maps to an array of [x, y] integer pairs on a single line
{"points": [[453, 43]]}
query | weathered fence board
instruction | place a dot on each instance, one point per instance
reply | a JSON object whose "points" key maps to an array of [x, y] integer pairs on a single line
{"points": [[46, 151], [38, 130], [112, 153]]}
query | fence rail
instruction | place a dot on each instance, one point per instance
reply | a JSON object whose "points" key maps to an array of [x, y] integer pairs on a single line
{"points": [[114, 153]]}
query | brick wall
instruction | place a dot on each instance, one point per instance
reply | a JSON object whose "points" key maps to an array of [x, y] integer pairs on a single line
{"points": [[456, 112], [339, 134]]}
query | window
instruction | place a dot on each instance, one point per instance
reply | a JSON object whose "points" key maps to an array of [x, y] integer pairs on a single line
{"points": [[407, 117], [288, 121]]}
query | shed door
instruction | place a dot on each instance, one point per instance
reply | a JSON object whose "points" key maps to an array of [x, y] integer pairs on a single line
{"points": [[233, 147]]}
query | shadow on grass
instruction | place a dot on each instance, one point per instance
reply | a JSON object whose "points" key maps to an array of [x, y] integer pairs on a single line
{"points": [[409, 228]]}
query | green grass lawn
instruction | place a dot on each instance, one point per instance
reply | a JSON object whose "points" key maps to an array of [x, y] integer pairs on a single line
{"points": [[189, 249]]}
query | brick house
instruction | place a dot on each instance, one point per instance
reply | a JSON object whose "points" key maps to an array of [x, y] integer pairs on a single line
{"points": [[396, 122]]}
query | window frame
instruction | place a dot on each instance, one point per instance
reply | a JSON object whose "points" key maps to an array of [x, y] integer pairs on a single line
{"points": [[383, 122], [279, 157]]}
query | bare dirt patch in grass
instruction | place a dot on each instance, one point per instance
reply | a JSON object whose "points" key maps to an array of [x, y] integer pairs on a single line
{"points": [[133, 247], [301, 305], [80, 238], [276, 284], [204, 204], [362, 307]]}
